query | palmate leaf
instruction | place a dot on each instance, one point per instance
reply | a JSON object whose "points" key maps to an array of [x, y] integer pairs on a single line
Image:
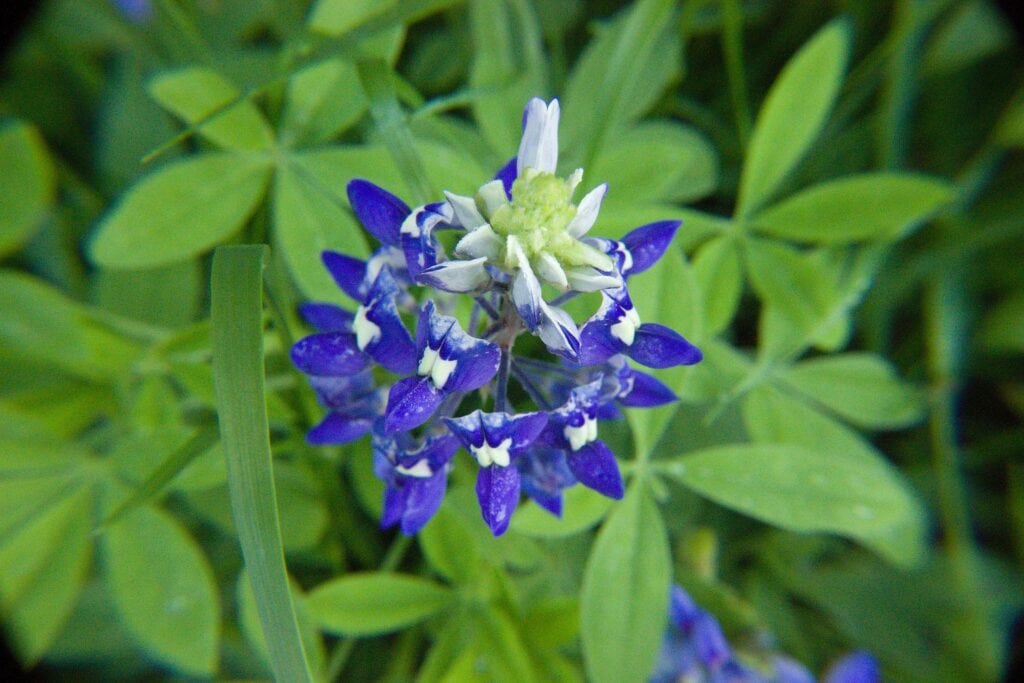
{"points": [[793, 114], [716, 267], [624, 599], [582, 509], [197, 93], [180, 211], [619, 76], [323, 100]]}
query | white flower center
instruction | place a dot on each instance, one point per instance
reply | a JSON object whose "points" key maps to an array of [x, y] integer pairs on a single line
{"points": [[435, 367], [580, 436], [420, 470], [488, 455], [625, 327], [366, 330]]}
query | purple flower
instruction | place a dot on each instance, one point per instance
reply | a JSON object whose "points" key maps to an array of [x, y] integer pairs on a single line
{"points": [[449, 361], [616, 328], [497, 440], [573, 428], [858, 667], [414, 474]]}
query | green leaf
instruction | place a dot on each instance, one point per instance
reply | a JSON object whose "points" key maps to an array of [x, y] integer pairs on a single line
{"points": [[196, 94], [308, 219], [619, 76], [169, 296], [237, 318], [807, 490], [451, 549], [793, 114], [323, 100], [508, 68], [180, 211], [41, 323], [1002, 329], [625, 593], [29, 185], [337, 17], [582, 509], [879, 206], [795, 286], [44, 606], [164, 590], [373, 603], [860, 387], [502, 655], [717, 270], [656, 161]]}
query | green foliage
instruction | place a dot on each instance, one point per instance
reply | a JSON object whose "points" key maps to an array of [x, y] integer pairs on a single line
{"points": [[831, 479], [368, 604]]}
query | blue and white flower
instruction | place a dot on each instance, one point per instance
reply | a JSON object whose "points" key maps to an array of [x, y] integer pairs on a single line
{"points": [[497, 440], [523, 232]]}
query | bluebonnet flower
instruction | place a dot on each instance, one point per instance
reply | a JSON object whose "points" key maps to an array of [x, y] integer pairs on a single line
{"points": [[695, 649], [520, 232]]}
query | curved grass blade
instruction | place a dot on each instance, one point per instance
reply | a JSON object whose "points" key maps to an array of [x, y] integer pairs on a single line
{"points": [[238, 379]]}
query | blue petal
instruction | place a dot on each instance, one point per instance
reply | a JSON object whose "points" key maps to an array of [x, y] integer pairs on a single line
{"points": [[683, 612], [394, 506], [417, 236], [437, 450], [326, 317], [526, 295], [522, 429], [544, 474], [351, 394], [657, 346], [789, 670], [393, 347], [411, 402], [712, 648], [859, 667], [476, 360], [597, 343], [507, 173], [456, 276], [380, 212], [348, 272], [336, 429], [559, 333], [648, 243], [422, 500], [646, 392], [595, 466], [469, 429], [497, 489], [329, 353]]}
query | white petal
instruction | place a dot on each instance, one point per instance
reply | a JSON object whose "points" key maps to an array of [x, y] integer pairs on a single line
{"points": [[555, 326], [456, 276], [550, 269], [465, 210], [481, 242], [574, 180], [525, 287], [586, 212], [591, 280], [493, 196], [538, 148]]}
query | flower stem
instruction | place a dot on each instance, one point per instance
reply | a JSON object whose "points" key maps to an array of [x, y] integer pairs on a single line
{"points": [[501, 391]]}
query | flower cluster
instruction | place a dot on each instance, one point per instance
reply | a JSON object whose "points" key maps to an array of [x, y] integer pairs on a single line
{"points": [[696, 649], [520, 233]]}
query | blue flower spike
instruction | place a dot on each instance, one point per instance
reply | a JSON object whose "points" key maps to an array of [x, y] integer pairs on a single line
{"points": [[525, 242], [496, 440]]}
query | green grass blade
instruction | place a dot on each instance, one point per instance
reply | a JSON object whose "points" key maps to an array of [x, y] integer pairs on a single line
{"points": [[238, 378]]}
